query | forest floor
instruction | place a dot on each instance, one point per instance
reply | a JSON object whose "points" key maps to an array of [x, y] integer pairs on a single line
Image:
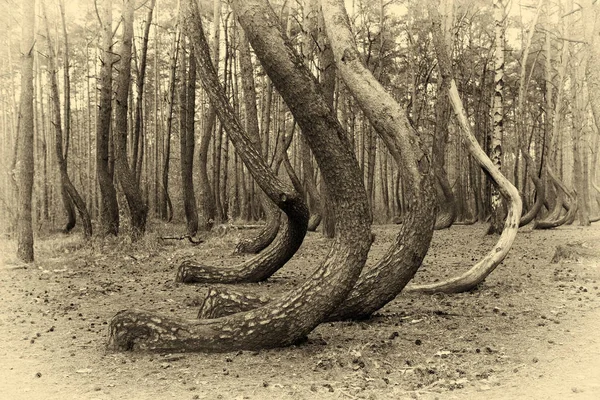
{"points": [[529, 332]]}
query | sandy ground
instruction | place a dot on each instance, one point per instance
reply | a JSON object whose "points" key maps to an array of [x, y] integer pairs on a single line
{"points": [[529, 332]]}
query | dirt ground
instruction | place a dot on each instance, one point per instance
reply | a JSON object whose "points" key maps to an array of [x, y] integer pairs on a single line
{"points": [[529, 332]]}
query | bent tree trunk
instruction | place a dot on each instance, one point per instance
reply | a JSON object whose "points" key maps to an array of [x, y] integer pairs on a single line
{"points": [[384, 281], [290, 318], [539, 189], [70, 194], [564, 200], [272, 214], [265, 264], [477, 274]]}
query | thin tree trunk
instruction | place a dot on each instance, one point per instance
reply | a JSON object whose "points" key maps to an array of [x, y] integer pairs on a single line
{"points": [[443, 111], [478, 273], [166, 204], [137, 119], [208, 200]]}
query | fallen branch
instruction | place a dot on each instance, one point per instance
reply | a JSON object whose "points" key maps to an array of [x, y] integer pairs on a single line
{"points": [[188, 237]]}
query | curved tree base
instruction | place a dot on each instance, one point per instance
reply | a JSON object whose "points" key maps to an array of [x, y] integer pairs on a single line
{"points": [[444, 220], [259, 267], [557, 222], [145, 331], [266, 235]]}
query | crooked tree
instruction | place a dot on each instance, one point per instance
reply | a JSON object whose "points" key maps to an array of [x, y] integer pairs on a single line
{"points": [[290, 318]]}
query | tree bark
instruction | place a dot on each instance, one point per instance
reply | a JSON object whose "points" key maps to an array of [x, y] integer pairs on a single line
{"points": [[290, 318], [109, 208], [24, 149], [137, 207], [496, 203]]}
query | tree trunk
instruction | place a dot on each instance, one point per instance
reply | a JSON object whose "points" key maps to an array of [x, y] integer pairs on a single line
{"points": [[292, 234], [24, 148], [272, 214], [137, 208], [207, 197], [290, 318], [187, 138], [166, 211], [496, 203], [446, 214], [530, 164], [69, 193], [478, 273], [109, 208], [136, 160]]}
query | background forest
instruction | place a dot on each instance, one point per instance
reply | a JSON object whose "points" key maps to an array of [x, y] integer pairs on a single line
{"points": [[182, 166]]}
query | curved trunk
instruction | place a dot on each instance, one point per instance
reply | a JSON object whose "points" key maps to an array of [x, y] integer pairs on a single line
{"points": [[259, 267], [268, 233], [384, 281], [66, 200], [478, 273], [290, 318], [540, 194], [446, 214], [553, 220]]}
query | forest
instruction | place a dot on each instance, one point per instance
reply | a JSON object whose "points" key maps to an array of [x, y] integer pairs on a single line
{"points": [[312, 198]]}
